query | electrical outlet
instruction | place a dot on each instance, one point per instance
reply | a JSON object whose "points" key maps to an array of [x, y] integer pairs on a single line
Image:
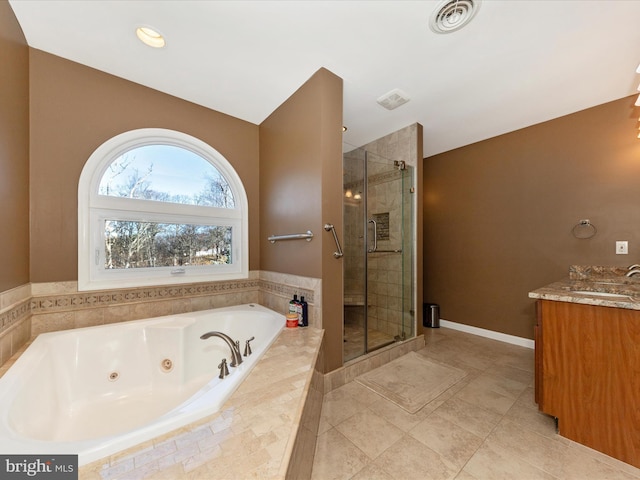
{"points": [[622, 247]]}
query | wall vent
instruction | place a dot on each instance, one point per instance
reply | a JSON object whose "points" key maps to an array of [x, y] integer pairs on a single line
{"points": [[452, 15], [393, 99]]}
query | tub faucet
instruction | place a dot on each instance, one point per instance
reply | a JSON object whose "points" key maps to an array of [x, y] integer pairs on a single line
{"points": [[224, 371], [236, 357], [247, 347]]}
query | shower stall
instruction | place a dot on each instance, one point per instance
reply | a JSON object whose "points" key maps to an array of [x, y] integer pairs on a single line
{"points": [[378, 252]]}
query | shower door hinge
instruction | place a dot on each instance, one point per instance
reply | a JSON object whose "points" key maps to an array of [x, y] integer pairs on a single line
{"points": [[412, 190]]}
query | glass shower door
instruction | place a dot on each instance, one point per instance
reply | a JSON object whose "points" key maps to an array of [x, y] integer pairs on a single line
{"points": [[378, 275], [388, 227]]}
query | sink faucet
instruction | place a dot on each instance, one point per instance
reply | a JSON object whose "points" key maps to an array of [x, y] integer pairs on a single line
{"points": [[635, 265], [633, 272], [236, 358]]}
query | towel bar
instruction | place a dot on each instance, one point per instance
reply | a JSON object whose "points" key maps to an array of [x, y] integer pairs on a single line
{"points": [[292, 236]]}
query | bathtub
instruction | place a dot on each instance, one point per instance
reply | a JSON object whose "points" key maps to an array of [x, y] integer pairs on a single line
{"points": [[98, 390]]}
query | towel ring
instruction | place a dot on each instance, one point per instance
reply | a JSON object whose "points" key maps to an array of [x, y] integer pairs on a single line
{"points": [[584, 229]]}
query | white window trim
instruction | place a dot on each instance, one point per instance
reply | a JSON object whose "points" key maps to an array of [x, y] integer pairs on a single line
{"points": [[94, 208]]}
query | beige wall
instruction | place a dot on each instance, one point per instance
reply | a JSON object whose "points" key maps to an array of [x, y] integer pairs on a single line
{"points": [[301, 189], [14, 151], [498, 214], [74, 109]]}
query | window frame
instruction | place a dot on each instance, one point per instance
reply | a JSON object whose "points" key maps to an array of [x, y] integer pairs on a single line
{"points": [[93, 209]]}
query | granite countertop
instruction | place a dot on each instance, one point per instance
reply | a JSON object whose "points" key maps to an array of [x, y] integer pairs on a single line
{"points": [[594, 285]]}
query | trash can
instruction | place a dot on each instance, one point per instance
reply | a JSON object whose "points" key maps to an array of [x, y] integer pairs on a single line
{"points": [[431, 315]]}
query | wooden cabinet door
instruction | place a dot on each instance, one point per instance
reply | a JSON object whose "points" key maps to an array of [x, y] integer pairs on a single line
{"points": [[591, 375]]}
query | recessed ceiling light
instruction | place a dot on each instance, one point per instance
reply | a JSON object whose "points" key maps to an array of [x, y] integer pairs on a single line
{"points": [[150, 37]]}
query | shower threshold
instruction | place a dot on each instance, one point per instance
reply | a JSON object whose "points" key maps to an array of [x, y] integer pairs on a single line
{"points": [[378, 346], [354, 341]]}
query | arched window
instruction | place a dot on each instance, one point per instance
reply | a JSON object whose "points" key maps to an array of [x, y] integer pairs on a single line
{"points": [[157, 207]]}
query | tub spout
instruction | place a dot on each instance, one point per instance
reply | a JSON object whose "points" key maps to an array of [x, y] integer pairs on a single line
{"points": [[236, 357]]}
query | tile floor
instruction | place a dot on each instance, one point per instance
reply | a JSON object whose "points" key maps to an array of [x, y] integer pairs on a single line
{"points": [[485, 427]]}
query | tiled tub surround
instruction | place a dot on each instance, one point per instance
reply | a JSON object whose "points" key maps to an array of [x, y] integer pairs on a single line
{"points": [[287, 377], [267, 428], [15, 321], [98, 390]]}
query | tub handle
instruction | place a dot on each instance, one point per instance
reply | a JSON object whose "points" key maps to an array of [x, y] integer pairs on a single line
{"points": [[224, 370], [247, 347]]}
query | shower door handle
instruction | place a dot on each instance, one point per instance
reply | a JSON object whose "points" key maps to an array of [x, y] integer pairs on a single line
{"points": [[375, 235]]}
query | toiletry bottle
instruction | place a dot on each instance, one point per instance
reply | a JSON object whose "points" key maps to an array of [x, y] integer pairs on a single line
{"points": [[299, 310], [293, 306], [305, 312]]}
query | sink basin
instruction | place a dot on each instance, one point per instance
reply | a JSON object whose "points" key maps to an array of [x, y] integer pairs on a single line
{"points": [[612, 296]]}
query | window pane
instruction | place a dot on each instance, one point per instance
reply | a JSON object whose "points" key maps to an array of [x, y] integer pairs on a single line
{"points": [[166, 173], [146, 244]]}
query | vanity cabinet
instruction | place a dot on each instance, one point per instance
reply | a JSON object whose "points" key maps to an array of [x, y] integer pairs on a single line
{"points": [[587, 363]]}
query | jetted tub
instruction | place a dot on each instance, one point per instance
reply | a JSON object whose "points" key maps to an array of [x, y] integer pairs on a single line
{"points": [[98, 390]]}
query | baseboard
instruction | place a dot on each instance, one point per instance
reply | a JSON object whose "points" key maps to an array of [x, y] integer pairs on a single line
{"points": [[501, 337]]}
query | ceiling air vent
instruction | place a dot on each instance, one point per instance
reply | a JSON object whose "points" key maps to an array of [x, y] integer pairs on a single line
{"points": [[393, 99], [452, 15]]}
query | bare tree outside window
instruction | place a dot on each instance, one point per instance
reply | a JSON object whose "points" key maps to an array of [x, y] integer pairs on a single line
{"points": [[145, 244], [165, 174]]}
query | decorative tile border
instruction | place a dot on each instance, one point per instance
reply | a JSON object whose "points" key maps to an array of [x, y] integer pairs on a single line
{"points": [[81, 300], [286, 290], [62, 298], [63, 302], [15, 314]]}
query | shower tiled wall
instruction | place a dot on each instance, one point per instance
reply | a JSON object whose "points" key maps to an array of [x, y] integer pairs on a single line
{"points": [[38, 308]]}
